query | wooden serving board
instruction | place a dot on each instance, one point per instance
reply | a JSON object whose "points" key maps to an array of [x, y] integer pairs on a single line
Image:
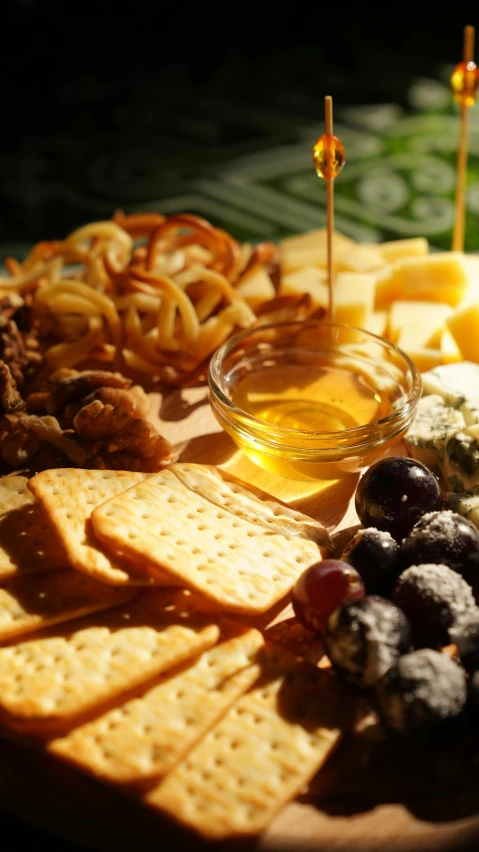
{"points": [[373, 793]]}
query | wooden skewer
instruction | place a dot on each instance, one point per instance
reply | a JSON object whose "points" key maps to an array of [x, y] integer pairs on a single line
{"points": [[328, 115], [458, 233]]}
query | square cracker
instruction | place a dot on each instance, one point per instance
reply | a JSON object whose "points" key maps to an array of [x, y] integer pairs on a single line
{"points": [[28, 543], [260, 755], [142, 739], [49, 682], [68, 496], [27, 605], [243, 552]]}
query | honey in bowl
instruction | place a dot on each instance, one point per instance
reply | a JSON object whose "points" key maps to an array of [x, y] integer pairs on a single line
{"points": [[312, 400], [294, 396]]}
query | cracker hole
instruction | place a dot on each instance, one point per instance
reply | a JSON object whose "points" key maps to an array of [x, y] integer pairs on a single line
{"points": [[171, 500], [109, 514], [145, 517]]}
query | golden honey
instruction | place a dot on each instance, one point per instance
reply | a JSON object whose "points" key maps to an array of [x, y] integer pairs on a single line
{"points": [[465, 82], [329, 156], [311, 400], [295, 396]]}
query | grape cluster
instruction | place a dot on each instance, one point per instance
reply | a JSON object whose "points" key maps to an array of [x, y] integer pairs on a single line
{"points": [[400, 593]]}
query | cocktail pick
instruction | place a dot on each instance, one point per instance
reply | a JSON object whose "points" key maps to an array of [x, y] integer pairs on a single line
{"points": [[329, 158], [464, 83]]}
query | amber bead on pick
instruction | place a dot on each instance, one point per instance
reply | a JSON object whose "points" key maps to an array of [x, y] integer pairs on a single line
{"points": [[464, 83], [328, 156]]}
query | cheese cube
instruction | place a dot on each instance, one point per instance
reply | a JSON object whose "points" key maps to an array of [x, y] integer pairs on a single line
{"points": [[376, 323], [421, 322], [310, 280], [310, 249], [424, 359], [256, 288], [449, 348], [464, 327], [398, 249], [361, 258], [434, 278], [353, 297]]}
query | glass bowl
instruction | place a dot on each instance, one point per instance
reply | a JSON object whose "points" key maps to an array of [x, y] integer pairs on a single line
{"points": [[311, 399]]}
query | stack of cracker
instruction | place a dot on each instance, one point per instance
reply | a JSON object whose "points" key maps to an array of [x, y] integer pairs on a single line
{"points": [[142, 666]]}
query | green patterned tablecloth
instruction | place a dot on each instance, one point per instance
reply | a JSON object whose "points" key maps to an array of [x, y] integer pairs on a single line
{"points": [[243, 163]]}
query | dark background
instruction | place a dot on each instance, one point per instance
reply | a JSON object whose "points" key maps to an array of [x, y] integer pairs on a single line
{"points": [[73, 75]]}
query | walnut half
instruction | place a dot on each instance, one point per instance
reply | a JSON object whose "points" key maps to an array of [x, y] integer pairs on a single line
{"points": [[115, 439]]}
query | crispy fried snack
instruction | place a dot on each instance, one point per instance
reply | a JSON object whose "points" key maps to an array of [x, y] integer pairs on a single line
{"points": [[156, 294]]}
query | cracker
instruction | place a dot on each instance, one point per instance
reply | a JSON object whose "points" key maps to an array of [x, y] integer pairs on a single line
{"points": [[49, 682], [259, 756], [68, 496], [39, 602], [28, 544], [244, 564], [145, 737]]}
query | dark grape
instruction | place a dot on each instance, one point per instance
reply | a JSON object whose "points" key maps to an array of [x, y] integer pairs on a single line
{"points": [[394, 493], [364, 638], [320, 590], [422, 695], [435, 599], [473, 696], [374, 553], [443, 538]]}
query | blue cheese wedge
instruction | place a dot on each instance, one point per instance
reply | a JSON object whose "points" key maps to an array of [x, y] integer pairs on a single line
{"points": [[461, 460], [434, 424], [470, 411], [465, 503], [455, 383]]}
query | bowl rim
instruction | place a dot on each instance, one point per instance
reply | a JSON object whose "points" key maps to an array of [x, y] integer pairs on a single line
{"points": [[214, 378]]}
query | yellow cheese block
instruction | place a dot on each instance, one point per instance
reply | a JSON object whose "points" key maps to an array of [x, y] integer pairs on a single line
{"points": [[398, 249], [433, 278], [422, 322], [310, 249], [424, 359], [256, 288], [354, 297], [361, 258], [464, 327], [310, 280], [449, 348], [376, 323]]}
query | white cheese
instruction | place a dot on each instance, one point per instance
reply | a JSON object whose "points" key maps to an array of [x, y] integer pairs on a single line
{"points": [[461, 459], [434, 424], [455, 383], [470, 411], [466, 503]]}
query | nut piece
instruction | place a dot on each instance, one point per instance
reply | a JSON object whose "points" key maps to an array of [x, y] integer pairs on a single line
{"points": [[10, 399], [115, 439], [19, 352]]}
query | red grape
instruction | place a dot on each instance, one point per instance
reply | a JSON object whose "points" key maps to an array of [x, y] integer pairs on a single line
{"points": [[322, 588]]}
